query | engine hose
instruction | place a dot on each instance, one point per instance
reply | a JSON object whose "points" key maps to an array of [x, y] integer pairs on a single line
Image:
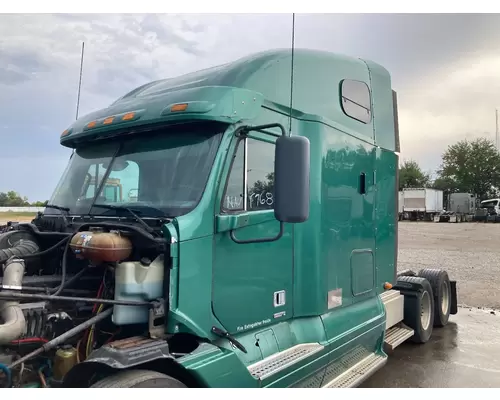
{"points": [[61, 287], [21, 249], [63, 270], [14, 322], [62, 338], [46, 251]]}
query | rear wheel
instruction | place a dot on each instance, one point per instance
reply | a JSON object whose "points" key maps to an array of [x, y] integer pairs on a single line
{"points": [[441, 289], [419, 309], [139, 379]]}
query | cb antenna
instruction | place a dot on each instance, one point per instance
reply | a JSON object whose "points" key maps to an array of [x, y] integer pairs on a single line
{"points": [[80, 82], [291, 73]]}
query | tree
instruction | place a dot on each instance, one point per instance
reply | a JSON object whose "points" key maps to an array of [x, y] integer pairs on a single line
{"points": [[40, 203], [412, 176], [446, 184], [12, 199], [471, 167]]}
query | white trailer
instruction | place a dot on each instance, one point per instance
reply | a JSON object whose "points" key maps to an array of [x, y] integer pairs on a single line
{"points": [[422, 203], [400, 204]]}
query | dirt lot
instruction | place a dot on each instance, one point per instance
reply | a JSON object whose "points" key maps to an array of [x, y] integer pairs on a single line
{"points": [[470, 252], [19, 217]]}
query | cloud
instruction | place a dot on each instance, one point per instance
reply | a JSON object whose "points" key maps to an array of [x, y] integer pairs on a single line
{"points": [[458, 103], [444, 67]]}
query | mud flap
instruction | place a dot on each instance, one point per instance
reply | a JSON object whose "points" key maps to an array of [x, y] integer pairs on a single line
{"points": [[454, 298]]}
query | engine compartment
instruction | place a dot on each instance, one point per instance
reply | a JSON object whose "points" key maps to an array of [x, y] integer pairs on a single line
{"points": [[65, 292]]}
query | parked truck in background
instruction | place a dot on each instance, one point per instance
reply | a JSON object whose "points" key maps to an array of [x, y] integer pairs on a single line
{"points": [[401, 199], [260, 249], [490, 210], [422, 204], [461, 207]]}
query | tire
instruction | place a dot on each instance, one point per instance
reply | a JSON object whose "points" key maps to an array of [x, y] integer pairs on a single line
{"points": [[139, 379], [441, 288], [419, 309]]}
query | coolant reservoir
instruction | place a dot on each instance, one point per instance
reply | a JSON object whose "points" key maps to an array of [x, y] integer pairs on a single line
{"points": [[101, 246], [137, 281]]}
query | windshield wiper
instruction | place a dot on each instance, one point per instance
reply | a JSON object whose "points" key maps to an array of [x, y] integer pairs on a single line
{"points": [[65, 209], [115, 207]]}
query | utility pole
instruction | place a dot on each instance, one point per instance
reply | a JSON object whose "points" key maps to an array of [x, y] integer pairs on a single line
{"points": [[496, 129]]}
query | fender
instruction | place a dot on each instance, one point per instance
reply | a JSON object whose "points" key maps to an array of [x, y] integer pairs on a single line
{"points": [[411, 289], [136, 352], [118, 355]]}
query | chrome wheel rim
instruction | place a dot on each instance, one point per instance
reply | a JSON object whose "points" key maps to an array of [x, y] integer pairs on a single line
{"points": [[425, 310]]}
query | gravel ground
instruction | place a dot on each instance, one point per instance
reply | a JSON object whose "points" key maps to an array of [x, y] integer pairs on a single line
{"points": [[470, 252]]}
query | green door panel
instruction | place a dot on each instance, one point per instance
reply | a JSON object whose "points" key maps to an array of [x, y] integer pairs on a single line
{"points": [[252, 284], [362, 271], [247, 277]]}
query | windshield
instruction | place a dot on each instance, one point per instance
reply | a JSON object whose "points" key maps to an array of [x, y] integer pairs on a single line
{"points": [[161, 174], [489, 203]]}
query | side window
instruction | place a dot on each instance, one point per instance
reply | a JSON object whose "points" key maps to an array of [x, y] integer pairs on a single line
{"points": [[355, 100], [260, 175], [259, 166]]}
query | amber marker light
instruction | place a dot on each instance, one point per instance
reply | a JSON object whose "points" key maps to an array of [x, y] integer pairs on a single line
{"points": [[128, 116], [108, 120], [179, 107], [387, 286]]}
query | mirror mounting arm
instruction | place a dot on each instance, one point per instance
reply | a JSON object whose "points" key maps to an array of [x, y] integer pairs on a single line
{"points": [[261, 128], [262, 240], [244, 131]]}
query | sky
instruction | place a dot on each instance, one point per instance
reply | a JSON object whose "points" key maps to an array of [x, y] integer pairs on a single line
{"points": [[445, 68]]}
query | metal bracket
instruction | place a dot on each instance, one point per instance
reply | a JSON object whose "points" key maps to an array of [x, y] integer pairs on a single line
{"points": [[157, 320]]}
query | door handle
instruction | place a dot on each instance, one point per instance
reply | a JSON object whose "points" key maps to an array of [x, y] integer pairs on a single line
{"points": [[362, 183]]}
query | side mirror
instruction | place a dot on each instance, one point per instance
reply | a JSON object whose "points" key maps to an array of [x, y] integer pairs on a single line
{"points": [[291, 180]]}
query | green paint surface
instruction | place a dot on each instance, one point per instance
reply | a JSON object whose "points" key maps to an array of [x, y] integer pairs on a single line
{"points": [[331, 267]]}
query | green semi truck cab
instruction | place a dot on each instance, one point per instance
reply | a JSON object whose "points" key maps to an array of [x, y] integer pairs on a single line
{"points": [[275, 198]]}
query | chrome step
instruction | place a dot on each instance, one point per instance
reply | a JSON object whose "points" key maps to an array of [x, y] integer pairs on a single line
{"points": [[284, 359], [396, 335], [359, 372]]}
